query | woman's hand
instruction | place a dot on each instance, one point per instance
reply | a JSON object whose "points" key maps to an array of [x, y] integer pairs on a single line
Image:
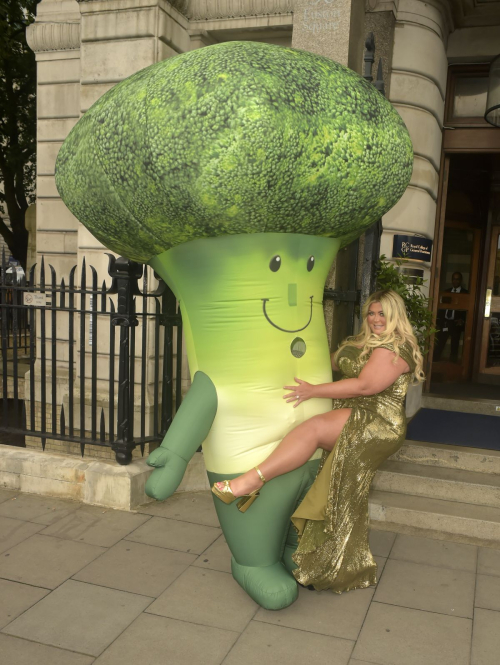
{"points": [[300, 393]]}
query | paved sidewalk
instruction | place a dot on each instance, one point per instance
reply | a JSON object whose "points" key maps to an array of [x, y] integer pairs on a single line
{"points": [[81, 584]]}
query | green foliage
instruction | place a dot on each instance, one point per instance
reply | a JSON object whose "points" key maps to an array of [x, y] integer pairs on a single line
{"points": [[235, 138], [410, 289], [17, 121]]}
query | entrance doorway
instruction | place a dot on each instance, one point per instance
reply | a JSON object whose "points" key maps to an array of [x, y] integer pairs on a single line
{"points": [[466, 353]]}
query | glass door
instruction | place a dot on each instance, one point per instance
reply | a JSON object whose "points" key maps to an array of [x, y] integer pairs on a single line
{"points": [[452, 352], [490, 346]]}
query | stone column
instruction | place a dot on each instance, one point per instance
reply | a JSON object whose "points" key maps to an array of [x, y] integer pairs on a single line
{"points": [[333, 28], [417, 90], [55, 39]]}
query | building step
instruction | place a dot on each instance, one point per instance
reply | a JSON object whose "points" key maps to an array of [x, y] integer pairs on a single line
{"points": [[482, 489], [487, 407], [445, 519], [451, 457]]}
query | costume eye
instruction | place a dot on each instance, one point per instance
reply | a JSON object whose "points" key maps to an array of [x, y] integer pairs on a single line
{"points": [[310, 263], [275, 263]]}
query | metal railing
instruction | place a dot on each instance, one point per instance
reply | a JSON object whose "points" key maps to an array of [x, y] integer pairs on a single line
{"points": [[81, 380]]}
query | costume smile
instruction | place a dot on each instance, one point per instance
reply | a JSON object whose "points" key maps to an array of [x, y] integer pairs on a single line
{"points": [[264, 300]]}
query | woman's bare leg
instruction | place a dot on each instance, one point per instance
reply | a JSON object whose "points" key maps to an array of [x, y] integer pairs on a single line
{"points": [[295, 449]]}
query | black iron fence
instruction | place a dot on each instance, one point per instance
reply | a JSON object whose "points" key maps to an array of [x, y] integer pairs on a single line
{"points": [[98, 360]]}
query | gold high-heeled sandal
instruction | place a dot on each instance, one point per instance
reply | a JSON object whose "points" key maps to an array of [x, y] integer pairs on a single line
{"points": [[226, 494], [247, 500]]}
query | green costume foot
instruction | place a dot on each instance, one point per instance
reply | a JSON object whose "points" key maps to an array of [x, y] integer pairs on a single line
{"points": [[271, 586]]}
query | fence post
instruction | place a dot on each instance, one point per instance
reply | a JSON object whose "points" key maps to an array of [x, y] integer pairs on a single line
{"points": [[125, 274]]}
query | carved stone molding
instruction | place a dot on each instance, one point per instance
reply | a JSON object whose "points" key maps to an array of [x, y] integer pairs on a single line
{"points": [[198, 10], [53, 36]]}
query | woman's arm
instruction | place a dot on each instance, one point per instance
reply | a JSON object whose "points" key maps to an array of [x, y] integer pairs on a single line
{"points": [[379, 373]]}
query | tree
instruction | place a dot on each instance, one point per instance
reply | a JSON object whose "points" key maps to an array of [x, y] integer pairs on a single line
{"points": [[17, 122]]}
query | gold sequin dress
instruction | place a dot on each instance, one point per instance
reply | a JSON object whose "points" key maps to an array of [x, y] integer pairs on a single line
{"points": [[332, 520]]}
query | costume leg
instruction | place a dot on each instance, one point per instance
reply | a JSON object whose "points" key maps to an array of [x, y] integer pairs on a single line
{"points": [[292, 540], [257, 538]]}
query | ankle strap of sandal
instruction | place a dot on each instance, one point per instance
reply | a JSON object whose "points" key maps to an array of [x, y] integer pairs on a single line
{"points": [[261, 475]]}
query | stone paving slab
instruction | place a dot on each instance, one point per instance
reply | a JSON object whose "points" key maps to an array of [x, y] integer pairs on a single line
{"points": [[429, 588], [381, 542], [276, 645], [13, 532], [206, 597], [155, 640], [380, 561], [435, 552], [79, 617], [488, 593], [39, 509], [400, 636], [15, 651], [326, 613], [486, 638], [175, 535], [45, 561], [186, 506], [96, 526], [488, 561], [7, 494], [16, 598], [216, 557], [136, 568]]}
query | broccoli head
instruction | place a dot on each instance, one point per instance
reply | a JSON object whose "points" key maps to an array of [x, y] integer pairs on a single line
{"points": [[236, 138]]}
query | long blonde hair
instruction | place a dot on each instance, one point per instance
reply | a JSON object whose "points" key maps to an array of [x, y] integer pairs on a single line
{"points": [[398, 331]]}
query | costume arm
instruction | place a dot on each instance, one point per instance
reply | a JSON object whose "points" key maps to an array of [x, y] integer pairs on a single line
{"points": [[185, 435]]}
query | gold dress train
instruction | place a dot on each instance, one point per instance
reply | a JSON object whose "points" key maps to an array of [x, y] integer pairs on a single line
{"points": [[332, 520]]}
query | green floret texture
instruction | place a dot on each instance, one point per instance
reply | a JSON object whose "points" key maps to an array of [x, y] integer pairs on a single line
{"points": [[240, 137]]}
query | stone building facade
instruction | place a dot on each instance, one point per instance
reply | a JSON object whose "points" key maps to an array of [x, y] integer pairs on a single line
{"points": [[84, 48]]}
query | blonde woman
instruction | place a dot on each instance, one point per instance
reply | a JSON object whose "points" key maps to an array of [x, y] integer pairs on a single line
{"points": [[367, 425]]}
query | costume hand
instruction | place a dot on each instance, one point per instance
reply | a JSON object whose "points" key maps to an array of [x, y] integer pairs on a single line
{"points": [[300, 393], [168, 473]]}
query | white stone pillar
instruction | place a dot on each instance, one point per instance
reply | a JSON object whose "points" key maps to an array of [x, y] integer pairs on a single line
{"points": [[334, 29], [55, 39], [417, 90]]}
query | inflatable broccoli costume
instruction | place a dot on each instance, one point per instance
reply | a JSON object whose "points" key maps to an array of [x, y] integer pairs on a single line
{"points": [[237, 171]]}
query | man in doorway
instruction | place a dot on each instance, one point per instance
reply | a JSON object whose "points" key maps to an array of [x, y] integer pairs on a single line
{"points": [[451, 323]]}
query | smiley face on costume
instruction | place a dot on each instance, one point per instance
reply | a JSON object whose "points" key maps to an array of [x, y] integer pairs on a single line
{"points": [[274, 266]]}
